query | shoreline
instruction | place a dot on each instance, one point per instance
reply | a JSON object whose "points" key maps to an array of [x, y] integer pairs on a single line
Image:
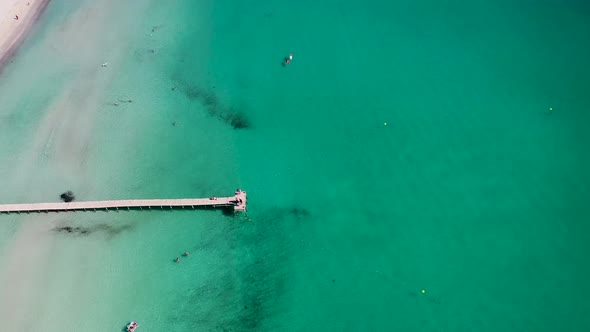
{"points": [[14, 32]]}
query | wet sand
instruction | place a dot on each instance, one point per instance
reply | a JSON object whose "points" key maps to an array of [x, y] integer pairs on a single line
{"points": [[17, 17]]}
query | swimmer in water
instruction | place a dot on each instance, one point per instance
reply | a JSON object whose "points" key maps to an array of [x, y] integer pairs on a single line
{"points": [[177, 259], [288, 59]]}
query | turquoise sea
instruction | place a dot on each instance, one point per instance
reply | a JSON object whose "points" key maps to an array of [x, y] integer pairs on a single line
{"points": [[419, 166]]}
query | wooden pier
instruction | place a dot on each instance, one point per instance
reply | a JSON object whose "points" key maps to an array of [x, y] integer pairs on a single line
{"points": [[236, 202]]}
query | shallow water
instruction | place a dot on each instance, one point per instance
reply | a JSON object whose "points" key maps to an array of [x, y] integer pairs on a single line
{"points": [[473, 192]]}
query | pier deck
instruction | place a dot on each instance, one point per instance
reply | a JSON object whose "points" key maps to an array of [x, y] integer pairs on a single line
{"points": [[237, 202]]}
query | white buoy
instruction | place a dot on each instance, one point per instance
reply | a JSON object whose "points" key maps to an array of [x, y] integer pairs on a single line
{"points": [[291, 56]]}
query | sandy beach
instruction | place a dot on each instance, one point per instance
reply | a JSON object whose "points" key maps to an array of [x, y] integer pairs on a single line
{"points": [[16, 19]]}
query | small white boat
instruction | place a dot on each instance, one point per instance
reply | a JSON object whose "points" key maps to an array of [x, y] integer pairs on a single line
{"points": [[132, 326]]}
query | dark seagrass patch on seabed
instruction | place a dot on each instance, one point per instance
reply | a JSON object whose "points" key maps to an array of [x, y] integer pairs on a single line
{"points": [[268, 272], [213, 106], [298, 213], [251, 296], [100, 228]]}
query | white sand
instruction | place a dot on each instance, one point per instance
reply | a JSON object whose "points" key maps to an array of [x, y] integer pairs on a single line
{"points": [[13, 31]]}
